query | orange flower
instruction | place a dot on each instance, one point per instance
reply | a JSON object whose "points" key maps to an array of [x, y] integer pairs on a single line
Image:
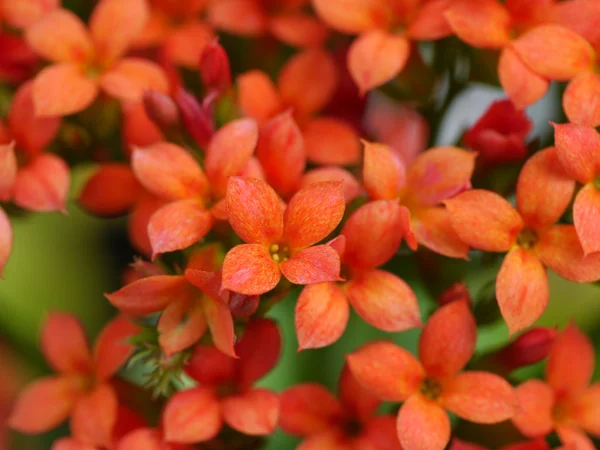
{"points": [[312, 412], [486, 221], [82, 388], [434, 384], [577, 149], [380, 53], [370, 237], [532, 445], [87, 61], [565, 403], [194, 198], [434, 176], [279, 243]]}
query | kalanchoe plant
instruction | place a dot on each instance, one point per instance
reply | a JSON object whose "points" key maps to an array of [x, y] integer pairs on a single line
{"points": [[282, 164]]}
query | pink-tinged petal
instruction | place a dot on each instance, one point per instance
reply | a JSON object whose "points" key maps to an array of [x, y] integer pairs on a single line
{"points": [[555, 52], [560, 250], [43, 405], [521, 289], [543, 177], [6, 240], [210, 367], [65, 344], [581, 100], [257, 95], [384, 300], [521, 84], [115, 24], [308, 81], [482, 24], [192, 416], [423, 425], [433, 229], [250, 270], [429, 22], [230, 149], [43, 184], [376, 57], [332, 141], [389, 371], [178, 225], [480, 397], [237, 17], [8, 171], [220, 323], [383, 173], [112, 348], [586, 410], [95, 415], [253, 365], [354, 16], [571, 362], [142, 439], [321, 317], [578, 147], [62, 89], [31, 133], [484, 220], [181, 325], [298, 30], [357, 401], [313, 213], [448, 340], [318, 264], [352, 187], [439, 174], [307, 409], [131, 77], [151, 294], [281, 153], [533, 416], [574, 438], [371, 233], [169, 171], [255, 211], [60, 36], [254, 413]]}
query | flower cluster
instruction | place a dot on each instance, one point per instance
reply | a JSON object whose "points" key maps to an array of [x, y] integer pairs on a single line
{"points": [[266, 152]]}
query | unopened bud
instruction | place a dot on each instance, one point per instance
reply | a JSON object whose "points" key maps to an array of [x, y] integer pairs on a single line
{"points": [[242, 305], [529, 348], [458, 291], [197, 118], [215, 69], [161, 109]]}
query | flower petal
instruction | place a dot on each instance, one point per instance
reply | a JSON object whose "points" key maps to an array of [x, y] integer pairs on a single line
{"points": [[115, 24], [331, 439], [376, 57], [185, 45], [191, 416], [332, 141], [237, 17], [354, 16], [220, 323], [429, 22], [586, 410], [150, 294], [423, 425], [433, 229], [352, 187], [574, 437], [298, 30], [483, 24], [24, 13], [178, 225], [71, 444], [581, 101], [586, 214], [6, 240], [358, 401], [142, 439], [43, 184], [254, 413], [62, 89], [210, 367], [307, 409], [521, 84], [249, 269], [131, 77], [543, 177], [384, 300], [253, 365], [255, 211], [578, 148], [317, 264], [480, 397], [521, 289], [65, 344], [181, 325], [383, 173], [448, 340], [112, 348], [110, 191], [389, 371], [321, 317], [484, 220], [8, 171], [95, 415], [533, 416], [313, 213], [257, 95]]}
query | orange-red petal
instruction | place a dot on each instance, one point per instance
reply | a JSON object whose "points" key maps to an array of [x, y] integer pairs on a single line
{"points": [[24, 13], [253, 365], [181, 325], [220, 323], [185, 45], [142, 439], [586, 410], [533, 416], [298, 30], [112, 348], [521, 83], [317, 264], [111, 191], [8, 171], [357, 400], [257, 95], [249, 269], [429, 22], [433, 229], [574, 438], [131, 77], [254, 413], [482, 24], [238, 17], [578, 150], [423, 425], [354, 16], [65, 345], [586, 215], [95, 415], [352, 187], [383, 174], [581, 100], [210, 367], [6, 240], [43, 184], [331, 141]]}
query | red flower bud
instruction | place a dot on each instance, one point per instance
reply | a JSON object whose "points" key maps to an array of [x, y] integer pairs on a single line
{"points": [[161, 109], [242, 305], [529, 348], [458, 291], [197, 118], [499, 135], [215, 70]]}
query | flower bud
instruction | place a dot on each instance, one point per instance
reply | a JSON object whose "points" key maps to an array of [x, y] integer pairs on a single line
{"points": [[458, 291], [529, 348], [197, 118], [242, 305], [161, 109], [215, 70]]}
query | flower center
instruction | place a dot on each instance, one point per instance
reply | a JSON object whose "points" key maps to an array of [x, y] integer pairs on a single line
{"points": [[596, 182], [528, 238], [279, 252], [352, 427], [559, 412], [431, 389]]}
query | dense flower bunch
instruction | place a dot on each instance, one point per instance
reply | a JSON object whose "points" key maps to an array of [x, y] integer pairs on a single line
{"points": [[266, 152]]}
